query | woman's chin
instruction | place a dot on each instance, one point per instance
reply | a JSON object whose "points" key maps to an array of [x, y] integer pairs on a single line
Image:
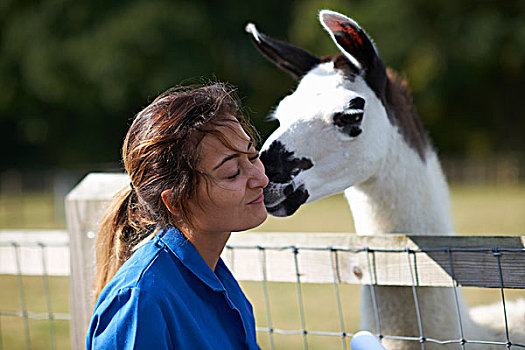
{"points": [[256, 220]]}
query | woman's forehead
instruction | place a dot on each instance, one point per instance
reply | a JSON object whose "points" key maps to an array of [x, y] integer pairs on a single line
{"points": [[232, 139]]}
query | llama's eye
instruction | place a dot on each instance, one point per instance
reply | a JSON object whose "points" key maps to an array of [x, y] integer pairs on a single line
{"points": [[343, 119], [348, 122], [357, 103]]}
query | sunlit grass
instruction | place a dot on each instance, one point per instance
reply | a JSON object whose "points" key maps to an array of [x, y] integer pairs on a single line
{"points": [[489, 210], [33, 210], [475, 210], [13, 330]]}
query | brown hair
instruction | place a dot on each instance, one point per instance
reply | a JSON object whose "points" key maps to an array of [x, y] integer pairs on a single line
{"points": [[160, 152]]}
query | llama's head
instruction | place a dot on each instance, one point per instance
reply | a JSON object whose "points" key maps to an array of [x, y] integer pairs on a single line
{"points": [[334, 128]]}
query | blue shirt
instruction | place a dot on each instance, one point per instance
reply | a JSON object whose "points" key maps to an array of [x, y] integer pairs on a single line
{"points": [[166, 297]]}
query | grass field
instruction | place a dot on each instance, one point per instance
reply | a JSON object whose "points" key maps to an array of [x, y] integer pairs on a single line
{"points": [[476, 210]]}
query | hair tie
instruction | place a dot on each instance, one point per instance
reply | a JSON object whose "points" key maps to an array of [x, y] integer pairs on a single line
{"points": [[131, 185]]}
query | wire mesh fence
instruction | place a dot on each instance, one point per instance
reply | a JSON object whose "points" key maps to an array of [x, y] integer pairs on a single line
{"points": [[455, 267], [29, 265], [310, 271]]}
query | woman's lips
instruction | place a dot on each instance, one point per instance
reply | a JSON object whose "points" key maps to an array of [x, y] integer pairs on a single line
{"points": [[258, 200]]}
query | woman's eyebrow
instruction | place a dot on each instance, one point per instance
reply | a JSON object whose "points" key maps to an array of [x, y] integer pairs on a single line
{"points": [[227, 158], [231, 156]]}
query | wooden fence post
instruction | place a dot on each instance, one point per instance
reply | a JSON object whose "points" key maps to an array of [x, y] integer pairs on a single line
{"points": [[85, 205]]}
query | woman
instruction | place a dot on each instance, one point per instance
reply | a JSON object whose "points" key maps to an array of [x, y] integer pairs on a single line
{"points": [[195, 178]]}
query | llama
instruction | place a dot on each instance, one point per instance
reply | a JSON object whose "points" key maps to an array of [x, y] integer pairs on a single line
{"points": [[350, 126]]}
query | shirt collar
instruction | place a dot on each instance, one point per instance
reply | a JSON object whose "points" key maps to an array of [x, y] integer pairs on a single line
{"points": [[184, 250]]}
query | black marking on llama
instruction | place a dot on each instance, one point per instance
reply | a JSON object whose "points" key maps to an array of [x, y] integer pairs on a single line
{"points": [[281, 166], [293, 60], [349, 121], [282, 197], [284, 200]]}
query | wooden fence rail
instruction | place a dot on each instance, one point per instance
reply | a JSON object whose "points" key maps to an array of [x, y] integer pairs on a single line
{"points": [[21, 252], [433, 259]]}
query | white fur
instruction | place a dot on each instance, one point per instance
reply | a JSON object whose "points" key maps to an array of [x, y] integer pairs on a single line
{"points": [[389, 189], [305, 127]]}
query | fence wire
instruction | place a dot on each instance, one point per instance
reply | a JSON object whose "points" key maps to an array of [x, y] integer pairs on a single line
{"points": [[411, 255], [304, 332], [24, 313]]}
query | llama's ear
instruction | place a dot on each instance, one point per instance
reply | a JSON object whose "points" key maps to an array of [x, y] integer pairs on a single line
{"points": [[350, 38], [293, 60], [356, 45]]}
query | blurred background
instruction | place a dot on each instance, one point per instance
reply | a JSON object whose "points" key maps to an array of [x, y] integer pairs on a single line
{"points": [[74, 73]]}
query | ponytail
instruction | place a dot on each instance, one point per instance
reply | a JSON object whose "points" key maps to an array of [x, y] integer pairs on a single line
{"points": [[121, 229]]}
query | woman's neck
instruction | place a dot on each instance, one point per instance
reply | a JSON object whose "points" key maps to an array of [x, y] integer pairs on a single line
{"points": [[209, 244]]}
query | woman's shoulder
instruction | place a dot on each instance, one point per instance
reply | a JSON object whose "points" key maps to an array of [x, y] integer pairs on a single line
{"points": [[151, 269]]}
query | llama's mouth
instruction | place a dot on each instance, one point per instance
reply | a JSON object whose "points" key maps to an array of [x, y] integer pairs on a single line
{"points": [[284, 195], [284, 199]]}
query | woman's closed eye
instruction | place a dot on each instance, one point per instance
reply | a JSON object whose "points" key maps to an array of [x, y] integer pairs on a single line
{"points": [[254, 157], [234, 175]]}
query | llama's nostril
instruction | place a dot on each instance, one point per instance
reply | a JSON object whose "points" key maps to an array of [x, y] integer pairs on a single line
{"points": [[288, 190]]}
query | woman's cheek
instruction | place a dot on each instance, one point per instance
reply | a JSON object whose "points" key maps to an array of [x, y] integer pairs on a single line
{"points": [[226, 194]]}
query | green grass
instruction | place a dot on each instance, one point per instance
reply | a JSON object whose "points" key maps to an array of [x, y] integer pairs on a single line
{"points": [[12, 328], [31, 210], [476, 210], [489, 210]]}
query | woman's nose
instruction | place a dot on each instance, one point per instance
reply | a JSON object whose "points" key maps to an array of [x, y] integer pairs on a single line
{"points": [[257, 176]]}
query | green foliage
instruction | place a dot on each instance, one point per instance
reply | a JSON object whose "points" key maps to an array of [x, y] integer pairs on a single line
{"points": [[73, 73]]}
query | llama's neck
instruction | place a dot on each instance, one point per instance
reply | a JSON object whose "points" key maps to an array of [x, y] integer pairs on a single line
{"points": [[405, 196]]}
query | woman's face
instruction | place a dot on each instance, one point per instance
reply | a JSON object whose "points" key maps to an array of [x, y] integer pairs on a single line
{"points": [[231, 198]]}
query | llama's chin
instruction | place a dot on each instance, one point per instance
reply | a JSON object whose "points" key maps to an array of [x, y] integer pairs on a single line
{"points": [[278, 212], [285, 205]]}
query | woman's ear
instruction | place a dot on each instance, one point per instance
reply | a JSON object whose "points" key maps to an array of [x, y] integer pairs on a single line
{"points": [[167, 199]]}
